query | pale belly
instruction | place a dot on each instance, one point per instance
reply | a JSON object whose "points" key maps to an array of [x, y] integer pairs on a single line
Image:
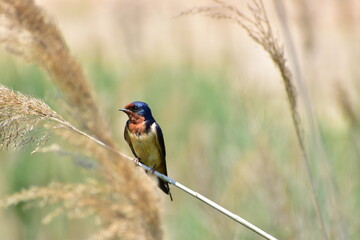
{"points": [[146, 149]]}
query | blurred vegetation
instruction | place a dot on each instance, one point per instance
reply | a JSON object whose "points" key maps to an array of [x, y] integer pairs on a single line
{"points": [[226, 123]]}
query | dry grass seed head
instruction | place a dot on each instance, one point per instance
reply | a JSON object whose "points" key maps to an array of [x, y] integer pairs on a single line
{"points": [[19, 116]]}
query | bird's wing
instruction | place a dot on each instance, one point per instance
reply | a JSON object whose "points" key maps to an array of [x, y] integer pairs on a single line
{"points": [[161, 145], [128, 140]]}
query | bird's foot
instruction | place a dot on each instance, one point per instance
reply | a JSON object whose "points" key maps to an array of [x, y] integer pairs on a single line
{"points": [[136, 161], [152, 170]]}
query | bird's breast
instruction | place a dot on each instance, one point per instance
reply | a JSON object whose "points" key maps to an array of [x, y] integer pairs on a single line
{"points": [[146, 147]]}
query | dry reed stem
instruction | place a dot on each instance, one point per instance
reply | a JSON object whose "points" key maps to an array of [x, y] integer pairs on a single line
{"points": [[26, 30], [259, 29], [124, 187]]}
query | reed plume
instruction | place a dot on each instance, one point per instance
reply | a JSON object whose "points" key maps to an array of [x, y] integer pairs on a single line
{"points": [[19, 115]]}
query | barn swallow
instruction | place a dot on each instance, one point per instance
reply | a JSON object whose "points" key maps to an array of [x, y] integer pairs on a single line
{"points": [[146, 140]]}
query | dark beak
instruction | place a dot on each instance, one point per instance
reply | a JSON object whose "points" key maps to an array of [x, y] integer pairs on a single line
{"points": [[124, 110]]}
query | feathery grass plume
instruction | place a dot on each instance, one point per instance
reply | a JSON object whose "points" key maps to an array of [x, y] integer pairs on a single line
{"points": [[124, 198], [26, 30], [258, 26], [19, 115]]}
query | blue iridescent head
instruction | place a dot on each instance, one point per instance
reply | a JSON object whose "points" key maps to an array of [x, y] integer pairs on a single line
{"points": [[138, 109]]}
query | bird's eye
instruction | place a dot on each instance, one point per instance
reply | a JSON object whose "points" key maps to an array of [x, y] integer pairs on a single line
{"points": [[136, 108]]}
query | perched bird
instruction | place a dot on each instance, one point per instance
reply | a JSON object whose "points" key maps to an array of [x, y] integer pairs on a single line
{"points": [[146, 140]]}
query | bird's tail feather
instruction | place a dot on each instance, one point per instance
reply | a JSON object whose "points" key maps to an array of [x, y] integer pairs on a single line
{"points": [[164, 186]]}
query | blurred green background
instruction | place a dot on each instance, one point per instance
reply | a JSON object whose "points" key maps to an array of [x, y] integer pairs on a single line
{"points": [[222, 107]]}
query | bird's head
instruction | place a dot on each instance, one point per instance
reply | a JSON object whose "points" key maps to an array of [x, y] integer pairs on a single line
{"points": [[137, 111]]}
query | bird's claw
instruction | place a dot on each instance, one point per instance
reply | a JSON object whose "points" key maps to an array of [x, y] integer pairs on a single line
{"points": [[152, 170], [136, 161]]}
